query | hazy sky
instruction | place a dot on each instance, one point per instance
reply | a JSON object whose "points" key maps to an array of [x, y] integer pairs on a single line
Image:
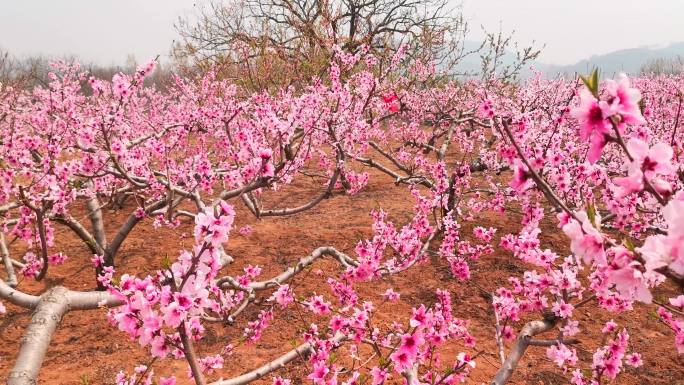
{"points": [[103, 31], [575, 29], [106, 31]]}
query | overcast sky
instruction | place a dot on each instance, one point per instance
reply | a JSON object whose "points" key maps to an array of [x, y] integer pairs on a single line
{"points": [[107, 31], [572, 30]]}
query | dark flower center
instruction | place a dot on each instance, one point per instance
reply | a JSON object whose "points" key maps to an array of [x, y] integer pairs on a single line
{"points": [[595, 114]]}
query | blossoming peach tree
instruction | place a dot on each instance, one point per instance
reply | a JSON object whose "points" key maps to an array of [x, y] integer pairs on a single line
{"points": [[599, 159]]}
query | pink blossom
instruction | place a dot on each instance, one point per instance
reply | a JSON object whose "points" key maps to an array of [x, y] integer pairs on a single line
{"points": [[391, 295], [673, 213], [212, 228], [391, 101], [97, 260], [419, 317], [245, 230], [563, 309], [627, 99], [577, 378], [585, 240], [319, 306], [634, 360], [57, 259], [610, 327], [268, 170], [32, 265], [646, 164], [560, 354], [486, 108], [283, 296], [507, 333], [320, 371], [630, 282], [410, 343], [140, 213], [521, 177], [379, 375], [571, 328], [173, 315], [677, 301], [281, 381], [654, 252], [337, 323], [159, 346], [401, 360], [594, 125], [465, 359]]}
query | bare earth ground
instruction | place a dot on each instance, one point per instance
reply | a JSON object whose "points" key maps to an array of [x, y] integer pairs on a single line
{"points": [[87, 347]]}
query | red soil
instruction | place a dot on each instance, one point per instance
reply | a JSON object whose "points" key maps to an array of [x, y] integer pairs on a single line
{"points": [[86, 349]]}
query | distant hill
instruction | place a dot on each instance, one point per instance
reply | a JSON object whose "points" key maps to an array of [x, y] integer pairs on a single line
{"points": [[629, 61]]}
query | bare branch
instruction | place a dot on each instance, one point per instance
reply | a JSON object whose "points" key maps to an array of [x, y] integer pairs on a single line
{"points": [[283, 277], [11, 276], [300, 351], [17, 297], [95, 215], [190, 355], [530, 330], [49, 312], [50, 307]]}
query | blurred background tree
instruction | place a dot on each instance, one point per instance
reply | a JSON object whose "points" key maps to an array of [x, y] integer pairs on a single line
{"points": [[663, 66], [271, 43]]}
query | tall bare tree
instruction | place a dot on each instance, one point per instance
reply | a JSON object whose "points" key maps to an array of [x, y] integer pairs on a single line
{"points": [[663, 66], [251, 38]]}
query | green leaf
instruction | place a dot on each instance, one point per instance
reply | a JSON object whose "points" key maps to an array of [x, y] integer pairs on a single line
{"points": [[653, 314], [628, 244], [166, 262], [592, 81], [595, 81], [591, 213]]}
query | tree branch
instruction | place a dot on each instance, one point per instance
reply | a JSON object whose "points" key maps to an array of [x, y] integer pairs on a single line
{"points": [[530, 330], [95, 215], [50, 307], [299, 351], [11, 276], [344, 259]]}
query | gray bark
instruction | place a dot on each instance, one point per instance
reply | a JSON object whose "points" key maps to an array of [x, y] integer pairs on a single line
{"points": [[9, 267], [125, 229], [530, 330], [290, 272], [95, 214], [50, 307], [16, 297], [300, 351]]}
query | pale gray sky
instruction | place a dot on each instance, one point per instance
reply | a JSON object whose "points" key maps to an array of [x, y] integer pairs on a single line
{"points": [[102, 31], [106, 31], [576, 29]]}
